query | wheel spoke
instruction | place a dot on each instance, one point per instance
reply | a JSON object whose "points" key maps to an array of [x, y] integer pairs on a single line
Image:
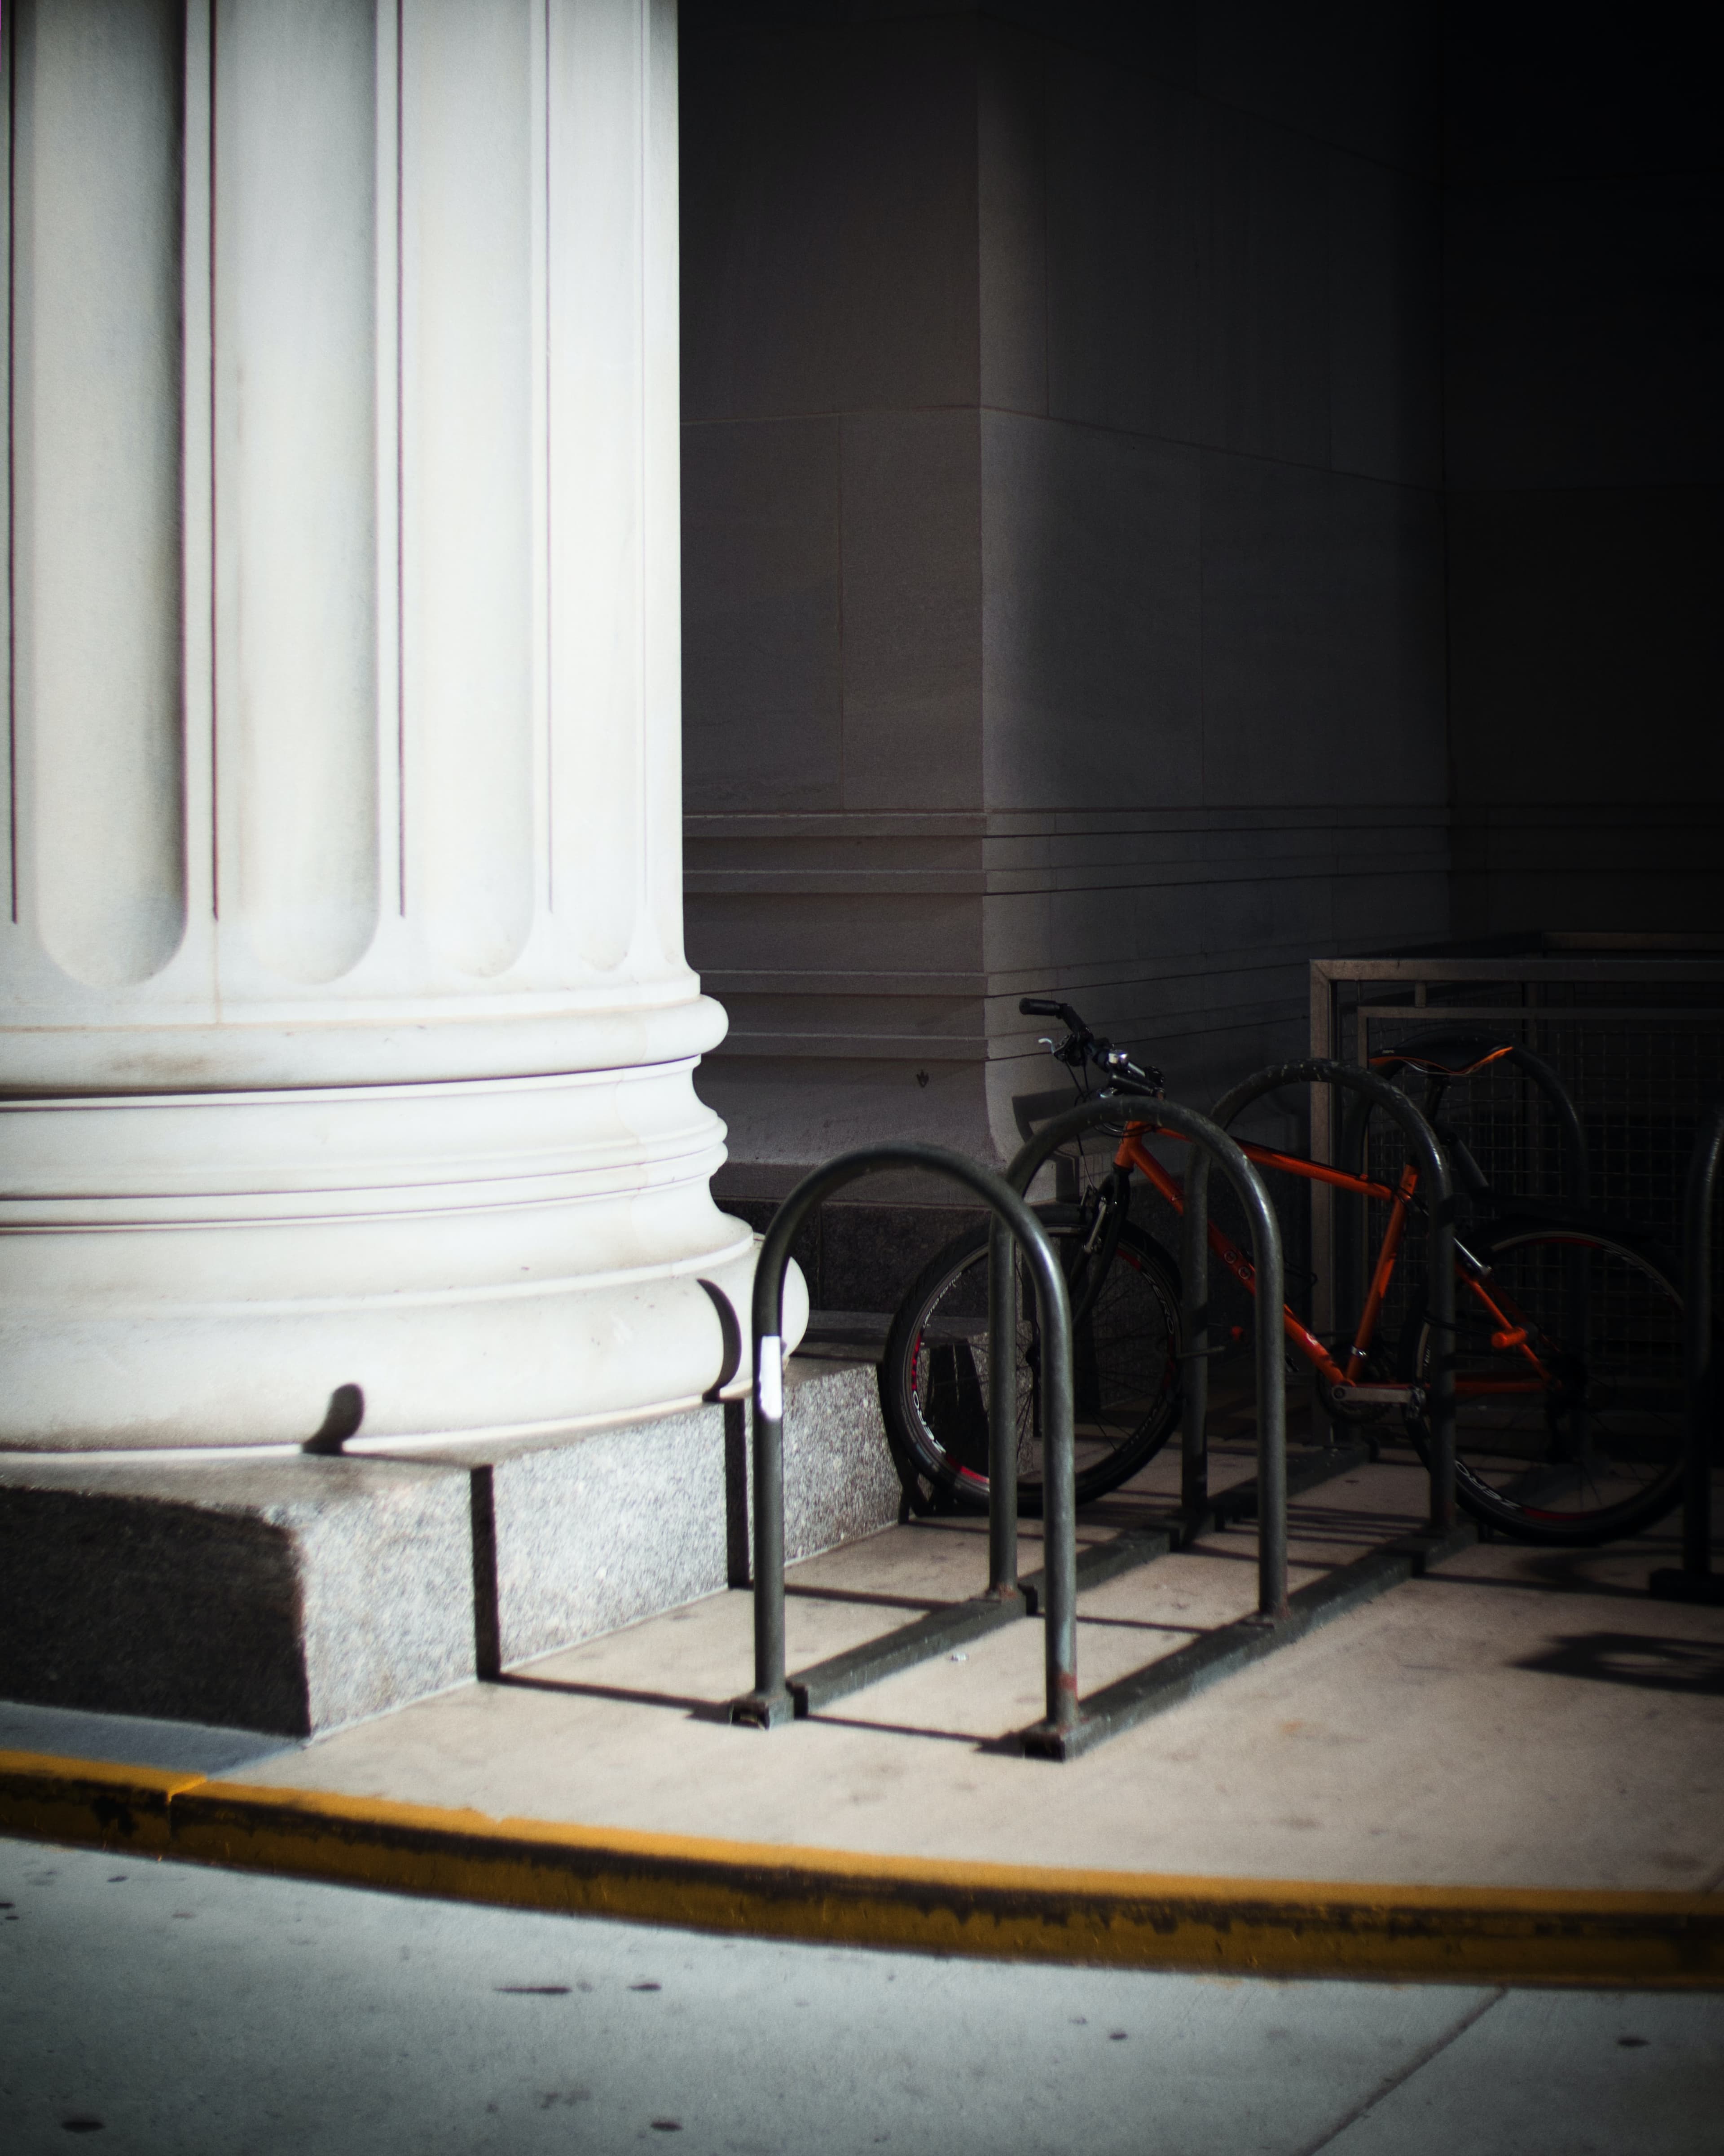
{"points": [[934, 1381]]}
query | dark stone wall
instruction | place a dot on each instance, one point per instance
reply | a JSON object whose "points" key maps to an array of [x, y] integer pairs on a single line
{"points": [[124, 1607], [1063, 541], [1584, 344], [1170, 492]]}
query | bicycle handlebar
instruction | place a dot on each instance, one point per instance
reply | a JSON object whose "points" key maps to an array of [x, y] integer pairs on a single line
{"points": [[1081, 1046]]}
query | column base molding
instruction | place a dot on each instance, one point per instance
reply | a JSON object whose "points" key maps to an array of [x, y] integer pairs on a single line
{"points": [[390, 1265]]}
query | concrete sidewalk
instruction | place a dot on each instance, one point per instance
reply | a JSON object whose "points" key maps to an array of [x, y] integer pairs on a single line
{"points": [[1517, 1721], [176, 2011], [1516, 1718]]}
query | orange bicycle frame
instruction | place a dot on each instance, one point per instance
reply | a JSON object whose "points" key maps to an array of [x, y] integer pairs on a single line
{"points": [[1510, 1330]]}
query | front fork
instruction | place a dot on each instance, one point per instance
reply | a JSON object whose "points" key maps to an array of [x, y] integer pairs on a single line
{"points": [[1102, 1241], [1112, 1203]]}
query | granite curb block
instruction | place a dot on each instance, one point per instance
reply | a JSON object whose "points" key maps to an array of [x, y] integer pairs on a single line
{"points": [[296, 1595], [1228, 1926], [285, 1595]]}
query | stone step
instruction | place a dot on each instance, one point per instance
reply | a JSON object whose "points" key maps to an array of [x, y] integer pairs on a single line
{"points": [[296, 1593]]}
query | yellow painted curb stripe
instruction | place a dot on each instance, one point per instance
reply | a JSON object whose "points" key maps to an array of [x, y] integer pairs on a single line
{"points": [[85, 1800], [1240, 1927]]}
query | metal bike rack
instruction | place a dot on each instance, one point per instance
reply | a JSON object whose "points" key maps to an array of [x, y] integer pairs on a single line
{"points": [[776, 1697], [1695, 1581], [1070, 1726], [1146, 1692], [1282, 1618]]}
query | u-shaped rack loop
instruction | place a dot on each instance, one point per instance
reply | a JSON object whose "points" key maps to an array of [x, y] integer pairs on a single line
{"points": [[1695, 1581], [775, 1699], [1281, 1618], [1440, 1214], [1210, 1143], [1129, 1700]]}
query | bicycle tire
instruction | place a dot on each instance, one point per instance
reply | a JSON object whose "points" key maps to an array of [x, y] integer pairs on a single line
{"points": [[1592, 1450], [1125, 1367]]}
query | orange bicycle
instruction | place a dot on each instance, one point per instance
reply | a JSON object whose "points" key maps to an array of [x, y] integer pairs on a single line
{"points": [[1569, 1398]]}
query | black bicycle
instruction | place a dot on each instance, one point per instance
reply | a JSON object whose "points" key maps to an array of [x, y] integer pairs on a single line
{"points": [[1127, 1338]]}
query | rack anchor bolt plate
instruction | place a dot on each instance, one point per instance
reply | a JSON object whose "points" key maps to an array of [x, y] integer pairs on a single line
{"points": [[756, 1710]]}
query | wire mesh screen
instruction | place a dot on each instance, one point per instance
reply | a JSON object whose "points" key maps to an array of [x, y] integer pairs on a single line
{"points": [[1639, 1061]]}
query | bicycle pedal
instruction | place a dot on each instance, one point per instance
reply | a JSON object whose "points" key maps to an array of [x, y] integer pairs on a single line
{"points": [[1410, 1396]]}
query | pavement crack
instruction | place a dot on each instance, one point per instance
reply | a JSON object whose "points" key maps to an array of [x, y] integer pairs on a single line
{"points": [[1401, 2076]]}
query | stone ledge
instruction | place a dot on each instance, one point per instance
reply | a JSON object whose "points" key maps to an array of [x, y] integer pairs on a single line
{"points": [[287, 1595], [295, 1596], [573, 1539]]}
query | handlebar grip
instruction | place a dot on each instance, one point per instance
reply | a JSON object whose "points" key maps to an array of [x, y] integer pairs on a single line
{"points": [[1041, 1007]]}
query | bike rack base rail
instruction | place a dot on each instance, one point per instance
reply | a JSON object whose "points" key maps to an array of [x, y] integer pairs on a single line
{"points": [[823, 1683], [1212, 1656], [1132, 1546], [1694, 1580]]}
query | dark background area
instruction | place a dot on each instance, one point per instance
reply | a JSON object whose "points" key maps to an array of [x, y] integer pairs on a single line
{"points": [[1171, 492]]}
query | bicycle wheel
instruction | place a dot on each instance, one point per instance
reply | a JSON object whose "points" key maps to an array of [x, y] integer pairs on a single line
{"points": [[1570, 1411], [1126, 1341]]}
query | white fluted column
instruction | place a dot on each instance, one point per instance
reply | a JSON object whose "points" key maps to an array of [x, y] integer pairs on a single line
{"points": [[348, 1036]]}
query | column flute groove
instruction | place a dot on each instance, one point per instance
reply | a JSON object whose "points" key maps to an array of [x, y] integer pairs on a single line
{"points": [[8, 38], [95, 467]]}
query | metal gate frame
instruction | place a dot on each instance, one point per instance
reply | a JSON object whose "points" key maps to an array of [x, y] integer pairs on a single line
{"points": [[1533, 963]]}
